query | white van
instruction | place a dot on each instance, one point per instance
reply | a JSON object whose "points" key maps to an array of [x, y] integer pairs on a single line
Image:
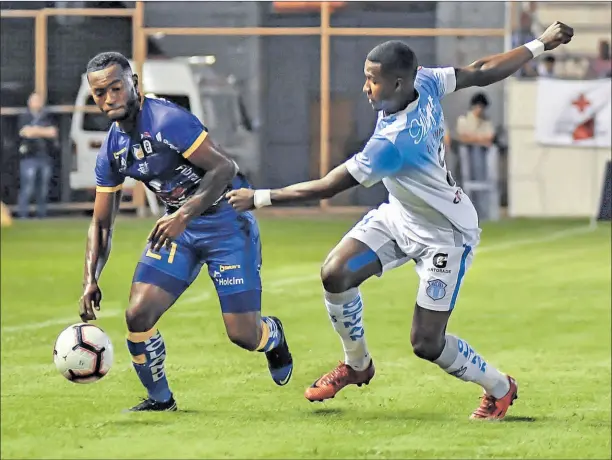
{"points": [[214, 101]]}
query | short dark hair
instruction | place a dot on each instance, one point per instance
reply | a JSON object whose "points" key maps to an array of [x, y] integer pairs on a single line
{"points": [[479, 99], [394, 57], [107, 59]]}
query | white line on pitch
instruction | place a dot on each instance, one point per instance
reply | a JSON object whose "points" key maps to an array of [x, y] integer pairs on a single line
{"points": [[560, 234]]}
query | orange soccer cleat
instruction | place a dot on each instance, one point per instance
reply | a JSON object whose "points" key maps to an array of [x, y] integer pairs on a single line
{"points": [[331, 383], [492, 408]]}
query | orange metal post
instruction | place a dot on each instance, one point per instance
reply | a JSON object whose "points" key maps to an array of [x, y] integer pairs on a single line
{"points": [[325, 95], [40, 54], [139, 43]]}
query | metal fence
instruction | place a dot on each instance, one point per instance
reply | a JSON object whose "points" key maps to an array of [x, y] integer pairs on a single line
{"points": [[324, 33]]}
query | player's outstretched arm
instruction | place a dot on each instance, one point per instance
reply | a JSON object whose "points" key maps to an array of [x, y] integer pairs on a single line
{"points": [[98, 250], [492, 69], [336, 181]]}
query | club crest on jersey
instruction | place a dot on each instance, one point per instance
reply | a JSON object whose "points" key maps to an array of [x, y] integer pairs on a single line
{"points": [[436, 289], [137, 151]]}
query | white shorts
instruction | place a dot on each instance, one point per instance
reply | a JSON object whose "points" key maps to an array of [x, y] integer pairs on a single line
{"points": [[441, 267]]}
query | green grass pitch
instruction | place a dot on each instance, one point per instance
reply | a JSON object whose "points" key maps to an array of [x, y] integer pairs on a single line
{"points": [[536, 303]]}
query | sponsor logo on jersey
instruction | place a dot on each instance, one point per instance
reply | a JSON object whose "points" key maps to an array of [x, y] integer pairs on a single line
{"points": [[123, 164], [440, 260], [160, 138], [143, 168], [439, 263], [457, 198], [119, 153], [229, 281], [421, 126], [189, 173], [225, 268], [436, 289]]}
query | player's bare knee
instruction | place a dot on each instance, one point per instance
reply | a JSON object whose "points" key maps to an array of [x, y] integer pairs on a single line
{"points": [[426, 345], [335, 276], [248, 341], [138, 319]]}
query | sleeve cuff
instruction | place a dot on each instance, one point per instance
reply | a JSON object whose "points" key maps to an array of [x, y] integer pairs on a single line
{"points": [[187, 153], [104, 189], [353, 168], [450, 79]]}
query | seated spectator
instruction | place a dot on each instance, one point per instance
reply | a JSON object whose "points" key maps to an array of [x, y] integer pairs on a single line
{"points": [[602, 65], [473, 127], [546, 67], [521, 35]]}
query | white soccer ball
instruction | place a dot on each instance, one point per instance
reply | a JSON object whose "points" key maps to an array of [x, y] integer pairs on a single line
{"points": [[83, 353]]}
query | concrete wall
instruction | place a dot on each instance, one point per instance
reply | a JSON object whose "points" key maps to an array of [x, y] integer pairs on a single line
{"points": [[548, 181]]}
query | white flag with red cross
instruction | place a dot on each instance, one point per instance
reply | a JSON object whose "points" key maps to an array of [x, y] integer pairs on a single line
{"points": [[574, 112]]}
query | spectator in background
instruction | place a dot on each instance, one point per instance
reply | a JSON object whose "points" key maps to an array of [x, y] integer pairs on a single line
{"points": [[473, 127], [524, 34], [602, 66], [546, 66], [37, 138]]}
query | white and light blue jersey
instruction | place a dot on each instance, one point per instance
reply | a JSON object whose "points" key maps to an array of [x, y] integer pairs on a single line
{"points": [[406, 152]]}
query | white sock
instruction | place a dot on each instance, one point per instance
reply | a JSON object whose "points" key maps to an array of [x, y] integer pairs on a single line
{"points": [[345, 312], [460, 360]]}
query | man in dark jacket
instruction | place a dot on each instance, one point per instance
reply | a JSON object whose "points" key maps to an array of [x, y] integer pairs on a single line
{"points": [[38, 136]]}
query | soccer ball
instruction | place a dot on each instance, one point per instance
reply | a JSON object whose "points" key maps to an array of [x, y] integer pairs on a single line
{"points": [[83, 353]]}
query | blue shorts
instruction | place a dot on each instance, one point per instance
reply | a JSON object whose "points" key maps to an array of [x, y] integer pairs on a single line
{"points": [[228, 243]]}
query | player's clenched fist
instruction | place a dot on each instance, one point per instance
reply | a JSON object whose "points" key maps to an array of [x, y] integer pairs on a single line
{"points": [[557, 34], [92, 295], [241, 200]]}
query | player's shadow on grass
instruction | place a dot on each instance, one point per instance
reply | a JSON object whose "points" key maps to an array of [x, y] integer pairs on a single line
{"points": [[512, 418], [335, 412], [327, 411], [376, 415], [135, 419]]}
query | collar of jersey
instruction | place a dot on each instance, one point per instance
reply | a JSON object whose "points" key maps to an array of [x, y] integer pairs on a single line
{"points": [[409, 108]]}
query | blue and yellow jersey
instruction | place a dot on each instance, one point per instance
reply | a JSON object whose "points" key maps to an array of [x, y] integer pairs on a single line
{"points": [[156, 153]]}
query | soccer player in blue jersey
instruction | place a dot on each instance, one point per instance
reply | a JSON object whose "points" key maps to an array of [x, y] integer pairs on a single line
{"points": [[427, 220], [170, 151]]}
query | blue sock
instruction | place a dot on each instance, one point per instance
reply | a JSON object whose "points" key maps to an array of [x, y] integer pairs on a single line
{"points": [[148, 352], [271, 335]]}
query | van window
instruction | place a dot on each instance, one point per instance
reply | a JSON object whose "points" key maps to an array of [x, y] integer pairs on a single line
{"points": [[223, 117], [180, 100], [99, 121]]}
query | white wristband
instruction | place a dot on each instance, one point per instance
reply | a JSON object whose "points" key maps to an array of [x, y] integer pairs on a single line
{"points": [[262, 198], [536, 47]]}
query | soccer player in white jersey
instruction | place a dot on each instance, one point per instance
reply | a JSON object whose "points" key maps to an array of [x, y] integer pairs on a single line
{"points": [[427, 219]]}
